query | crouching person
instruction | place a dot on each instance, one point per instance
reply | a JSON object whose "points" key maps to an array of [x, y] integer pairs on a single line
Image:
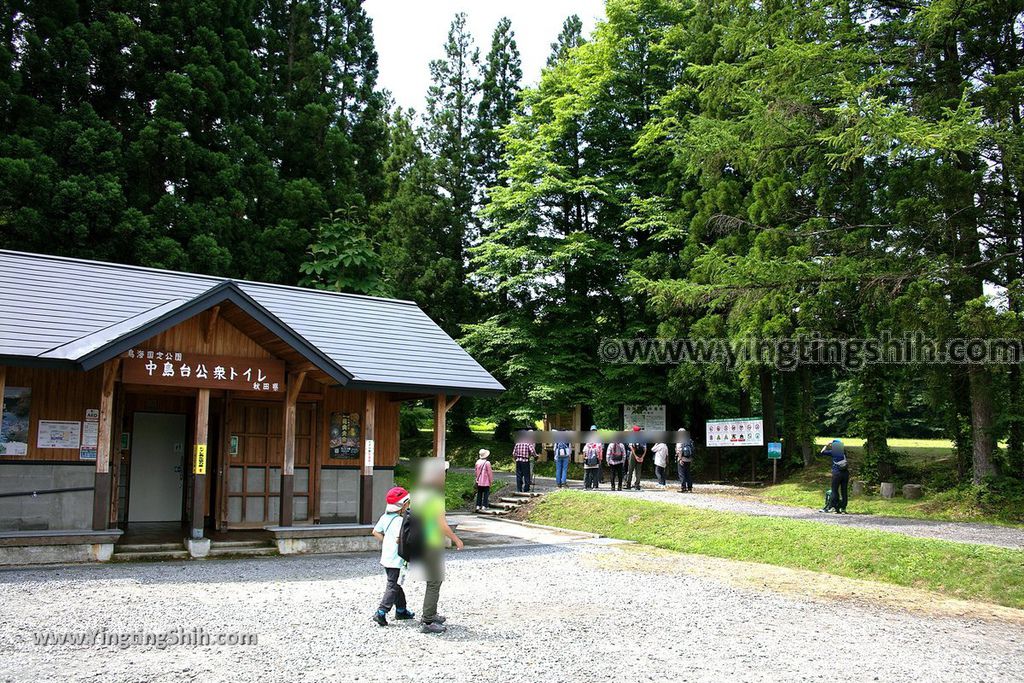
{"points": [[388, 531]]}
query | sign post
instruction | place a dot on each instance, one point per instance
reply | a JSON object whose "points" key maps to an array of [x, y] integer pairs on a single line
{"points": [[774, 454]]}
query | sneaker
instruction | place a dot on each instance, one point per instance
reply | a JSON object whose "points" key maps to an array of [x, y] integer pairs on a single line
{"points": [[402, 615], [379, 617], [433, 627]]}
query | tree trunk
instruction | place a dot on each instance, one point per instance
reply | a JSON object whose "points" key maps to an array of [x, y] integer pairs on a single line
{"points": [[771, 432], [744, 402], [807, 430], [983, 442]]}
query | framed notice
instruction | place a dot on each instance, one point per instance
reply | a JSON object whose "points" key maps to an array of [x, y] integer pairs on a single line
{"points": [[748, 431], [344, 436], [650, 418], [15, 421], [90, 436], [59, 434]]}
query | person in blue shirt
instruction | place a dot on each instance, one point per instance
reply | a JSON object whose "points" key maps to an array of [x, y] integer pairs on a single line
{"points": [[562, 453], [840, 476]]}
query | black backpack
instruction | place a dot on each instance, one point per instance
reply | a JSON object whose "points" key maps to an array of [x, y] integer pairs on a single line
{"points": [[411, 538], [688, 450]]}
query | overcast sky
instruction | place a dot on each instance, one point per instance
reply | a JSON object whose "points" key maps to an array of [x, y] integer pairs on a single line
{"points": [[410, 33]]}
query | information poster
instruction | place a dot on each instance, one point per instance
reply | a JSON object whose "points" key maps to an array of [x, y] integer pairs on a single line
{"points": [[650, 418], [344, 436], [15, 421], [90, 435], [59, 434], [735, 432], [774, 450]]}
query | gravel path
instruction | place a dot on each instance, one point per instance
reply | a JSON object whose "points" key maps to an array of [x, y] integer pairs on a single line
{"points": [[569, 611], [958, 532]]}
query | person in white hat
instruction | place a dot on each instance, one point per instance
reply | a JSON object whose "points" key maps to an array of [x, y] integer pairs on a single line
{"points": [[484, 479]]}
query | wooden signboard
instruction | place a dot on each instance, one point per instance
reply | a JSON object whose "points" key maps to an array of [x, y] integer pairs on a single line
{"points": [[173, 369]]}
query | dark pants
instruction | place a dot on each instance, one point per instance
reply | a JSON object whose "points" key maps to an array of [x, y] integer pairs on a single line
{"points": [[840, 483], [483, 496], [660, 471], [633, 473], [618, 471], [590, 477], [394, 596], [522, 476], [683, 469], [433, 565]]}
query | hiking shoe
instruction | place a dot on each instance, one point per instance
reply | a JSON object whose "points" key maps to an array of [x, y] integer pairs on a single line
{"points": [[402, 615], [437, 619], [379, 617], [433, 628]]}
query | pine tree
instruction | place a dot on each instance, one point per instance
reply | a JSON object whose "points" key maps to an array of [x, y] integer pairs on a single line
{"points": [[499, 91]]}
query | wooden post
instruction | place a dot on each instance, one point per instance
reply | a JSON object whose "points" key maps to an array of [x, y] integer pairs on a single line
{"points": [[440, 424], [199, 460], [369, 454], [101, 482], [288, 465]]}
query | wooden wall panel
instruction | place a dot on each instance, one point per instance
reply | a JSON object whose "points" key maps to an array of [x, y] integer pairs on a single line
{"points": [[189, 337], [337, 399], [56, 395]]}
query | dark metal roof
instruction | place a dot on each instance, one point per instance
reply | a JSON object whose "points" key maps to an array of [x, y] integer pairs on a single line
{"points": [[65, 312]]}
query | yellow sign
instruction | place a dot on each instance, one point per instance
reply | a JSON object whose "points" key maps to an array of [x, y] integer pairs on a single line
{"points": [[200, 464]]}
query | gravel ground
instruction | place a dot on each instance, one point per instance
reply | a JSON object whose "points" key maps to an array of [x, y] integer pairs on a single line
{"points": [[958, 532], [579, 610]]}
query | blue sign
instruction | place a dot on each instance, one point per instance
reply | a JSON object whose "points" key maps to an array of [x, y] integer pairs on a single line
{"points": [[774, 450]]}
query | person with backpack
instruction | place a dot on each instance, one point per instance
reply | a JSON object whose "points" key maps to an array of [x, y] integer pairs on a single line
{"points": [[522, 453], [423, 535], [563, 451], [388, 530], [684, 458], [838, 497], [616, 458], [484, 479], [637, 453], [593, 454]]}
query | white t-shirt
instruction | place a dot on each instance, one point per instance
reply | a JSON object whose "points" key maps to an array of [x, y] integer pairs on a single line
{"points": [[660, 455], [390, 524]]}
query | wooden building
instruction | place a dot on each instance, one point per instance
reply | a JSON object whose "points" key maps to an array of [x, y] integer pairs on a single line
{"points": [[136, 396]]}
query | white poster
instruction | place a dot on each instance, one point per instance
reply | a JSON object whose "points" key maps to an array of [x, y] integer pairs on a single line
{"points": [[59, 434], [650, 418], [14, 420], [735, 432]]}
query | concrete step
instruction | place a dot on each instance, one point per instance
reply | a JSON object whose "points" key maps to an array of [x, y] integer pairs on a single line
{"points": [[150, 556], [147, 547], [240, 544], [261, 551], [494, 512]]}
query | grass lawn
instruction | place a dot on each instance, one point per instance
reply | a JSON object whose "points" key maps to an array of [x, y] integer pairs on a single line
{"points": [[931, 460], [964, 571], [459, 487]]}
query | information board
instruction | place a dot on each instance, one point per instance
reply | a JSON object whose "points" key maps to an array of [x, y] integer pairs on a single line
{"points": [[744, 431], [650, 418]]}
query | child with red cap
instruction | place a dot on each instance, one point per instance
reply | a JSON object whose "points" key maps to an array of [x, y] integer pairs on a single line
{"points": [[387, 530]]}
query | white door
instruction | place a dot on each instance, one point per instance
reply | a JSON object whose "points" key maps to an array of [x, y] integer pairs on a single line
{"points": [[157, 470]]}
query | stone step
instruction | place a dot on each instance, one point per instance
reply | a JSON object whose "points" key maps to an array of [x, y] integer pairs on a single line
{"points": [[261, 551], [150, 556], [494, 512], [147, 547]]}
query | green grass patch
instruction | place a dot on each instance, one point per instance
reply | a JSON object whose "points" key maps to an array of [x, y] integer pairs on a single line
{"points": [[971, 572], [966, 503], [459, 487]]}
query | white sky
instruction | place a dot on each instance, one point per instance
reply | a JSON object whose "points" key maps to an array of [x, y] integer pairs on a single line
{"points": [[410, 33]]}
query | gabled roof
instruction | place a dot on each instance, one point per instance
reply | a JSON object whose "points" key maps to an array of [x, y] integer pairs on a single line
{"points": [[63, 312]]}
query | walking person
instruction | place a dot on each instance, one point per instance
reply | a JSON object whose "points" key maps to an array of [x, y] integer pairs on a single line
{"points": [[840, 476], [660, 462], [430, 510], [684, 459], [637, 453], [616, 458], [387, 531], [563, 451], [593, 454], [484, 479], [522, 453]]}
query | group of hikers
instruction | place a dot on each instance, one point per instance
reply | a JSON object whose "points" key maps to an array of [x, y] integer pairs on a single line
{"points": [[624, 460]]}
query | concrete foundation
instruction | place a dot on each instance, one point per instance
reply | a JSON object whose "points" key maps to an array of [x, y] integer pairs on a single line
{"points": [[57, 547], [344, 544], [197, 547], [72, 510]]}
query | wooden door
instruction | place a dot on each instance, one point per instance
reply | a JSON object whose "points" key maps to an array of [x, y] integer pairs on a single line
{"points": [[251, 484]]}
